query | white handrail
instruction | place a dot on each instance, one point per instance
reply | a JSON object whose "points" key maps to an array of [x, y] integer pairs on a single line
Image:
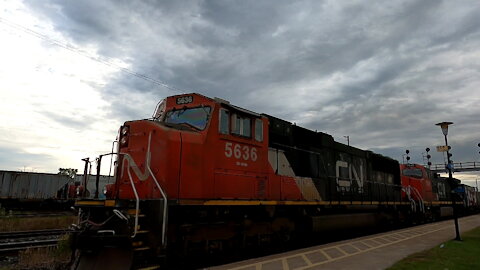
{"points": [[420, 199], [137, 203], [144, 176], [410, 189], [412, 201], [164, 195], [165, 208]]}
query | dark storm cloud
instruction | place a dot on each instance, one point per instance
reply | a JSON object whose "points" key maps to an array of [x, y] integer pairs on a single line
{"points": [[381, 72]]}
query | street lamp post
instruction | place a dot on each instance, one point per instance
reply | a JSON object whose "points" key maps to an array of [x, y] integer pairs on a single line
{"points": [[444, 126]]}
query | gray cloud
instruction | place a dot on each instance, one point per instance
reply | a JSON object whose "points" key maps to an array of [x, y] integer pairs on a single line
{"points": [[382, 72], [11, 157]]}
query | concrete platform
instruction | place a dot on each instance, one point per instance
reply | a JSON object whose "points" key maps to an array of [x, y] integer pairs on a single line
{"points": [[378, 251]]}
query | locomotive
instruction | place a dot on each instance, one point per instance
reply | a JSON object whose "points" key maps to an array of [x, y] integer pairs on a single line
{"points": [[203, 175]]}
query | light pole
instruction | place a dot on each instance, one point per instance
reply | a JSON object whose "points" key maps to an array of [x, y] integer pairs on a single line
{"points": [[444, 127], [348, 139]]}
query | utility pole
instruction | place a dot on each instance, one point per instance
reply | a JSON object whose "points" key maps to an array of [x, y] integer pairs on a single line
{"points": [[444, 126]]}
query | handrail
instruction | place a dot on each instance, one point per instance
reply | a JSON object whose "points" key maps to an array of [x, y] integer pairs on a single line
{"points": [[412, 201], [164, 195], [165, 208], [420, 199], [408, 190], [137, 203]]}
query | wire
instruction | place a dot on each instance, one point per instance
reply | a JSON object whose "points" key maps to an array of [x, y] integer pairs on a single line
{"points": [[78, 51]]}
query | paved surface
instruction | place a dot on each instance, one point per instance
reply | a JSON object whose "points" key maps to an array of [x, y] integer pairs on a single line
{"points": [[370, 252]]}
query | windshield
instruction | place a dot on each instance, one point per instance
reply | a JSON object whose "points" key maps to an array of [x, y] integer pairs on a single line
{"points": [[194, 117], [416, 173]]}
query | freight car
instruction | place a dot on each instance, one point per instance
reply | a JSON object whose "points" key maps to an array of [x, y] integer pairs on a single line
{"points": [[29, 189], [23, 188], [203, 175]]}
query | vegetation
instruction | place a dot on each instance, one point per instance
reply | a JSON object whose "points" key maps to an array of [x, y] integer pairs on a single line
{"points": [[68, 171], [452, 255], [46, 258], [40, 258], [10, 224]]}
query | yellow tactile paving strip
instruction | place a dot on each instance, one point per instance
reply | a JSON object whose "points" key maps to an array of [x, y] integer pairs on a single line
{"points": [[329, 253]]}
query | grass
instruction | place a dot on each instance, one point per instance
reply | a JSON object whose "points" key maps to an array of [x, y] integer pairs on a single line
{"points": [[45, 258], [452, 255], [35, 223], [39, 258]]}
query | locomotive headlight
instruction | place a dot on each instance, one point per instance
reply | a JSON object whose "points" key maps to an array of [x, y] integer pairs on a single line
{"points": [[123, 141], [78, 191], [105, 190], [124, 130]]}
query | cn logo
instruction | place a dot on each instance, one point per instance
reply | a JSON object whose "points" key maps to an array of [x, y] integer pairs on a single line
{"points": [[240, 151]]}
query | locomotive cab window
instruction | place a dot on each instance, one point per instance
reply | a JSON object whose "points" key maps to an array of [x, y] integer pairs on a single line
{"points": [[241, 126], [196, 118], [413, 172], [224, 121], [258, 130]]}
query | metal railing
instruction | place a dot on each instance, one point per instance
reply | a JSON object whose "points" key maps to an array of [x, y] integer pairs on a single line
{"points": [[142, 177], [164, 195], [457, 167], [409, 190]]}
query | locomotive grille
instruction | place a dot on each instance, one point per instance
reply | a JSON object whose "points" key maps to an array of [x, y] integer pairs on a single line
{"points": [[261, 187]]}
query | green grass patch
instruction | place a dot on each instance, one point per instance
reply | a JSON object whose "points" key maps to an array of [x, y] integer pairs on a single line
{"points": [[452, 255]]}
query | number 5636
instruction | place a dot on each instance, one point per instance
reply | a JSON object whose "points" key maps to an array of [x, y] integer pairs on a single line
{"points": [[240, 151]]}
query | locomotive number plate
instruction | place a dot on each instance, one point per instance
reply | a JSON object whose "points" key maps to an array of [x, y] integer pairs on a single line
{"points": [[240, 152], [184, 100]]}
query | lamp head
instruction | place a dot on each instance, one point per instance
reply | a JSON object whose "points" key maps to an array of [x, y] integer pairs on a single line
{"points": [[444, 126]]}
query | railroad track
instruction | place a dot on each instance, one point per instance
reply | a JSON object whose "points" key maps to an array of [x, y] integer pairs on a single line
{"points": [[15, 241], [30, 215]]}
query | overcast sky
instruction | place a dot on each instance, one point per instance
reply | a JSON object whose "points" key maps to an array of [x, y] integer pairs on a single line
{"points": [[381, 72]]}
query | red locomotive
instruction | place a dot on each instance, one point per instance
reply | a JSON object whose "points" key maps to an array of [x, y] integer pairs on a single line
{"points": [[204, 175]]}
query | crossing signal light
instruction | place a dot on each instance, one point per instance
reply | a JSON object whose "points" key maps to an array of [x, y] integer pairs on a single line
{"points": [[428, 149]]}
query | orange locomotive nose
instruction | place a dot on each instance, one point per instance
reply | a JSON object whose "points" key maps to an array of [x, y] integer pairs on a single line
{"points": [[148, 157]]}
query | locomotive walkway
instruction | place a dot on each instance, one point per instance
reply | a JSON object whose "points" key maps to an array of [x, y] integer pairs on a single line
{"points": [[378, 251]]}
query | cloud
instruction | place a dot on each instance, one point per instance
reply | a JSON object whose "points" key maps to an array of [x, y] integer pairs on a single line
{"points": [[17, 160]]}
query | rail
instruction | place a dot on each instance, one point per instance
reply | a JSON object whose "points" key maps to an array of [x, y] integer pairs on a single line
{"points": [[15, 241], [35, 233]]}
